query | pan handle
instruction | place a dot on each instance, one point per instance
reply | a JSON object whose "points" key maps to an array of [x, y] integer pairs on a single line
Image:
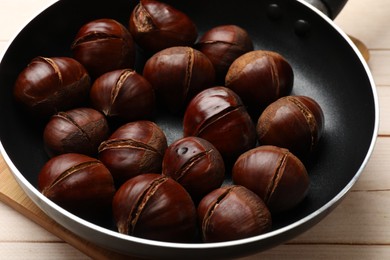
{"points": [[330, 7]]}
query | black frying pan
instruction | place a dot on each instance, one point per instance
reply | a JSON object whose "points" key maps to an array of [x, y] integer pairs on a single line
{"points": [[327, 68]]}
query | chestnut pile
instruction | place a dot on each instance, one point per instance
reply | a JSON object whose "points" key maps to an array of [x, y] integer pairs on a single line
{"points": [[240, 122]]}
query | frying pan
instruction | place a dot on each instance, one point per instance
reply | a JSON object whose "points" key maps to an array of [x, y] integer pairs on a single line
{"points": [[327, 68]]}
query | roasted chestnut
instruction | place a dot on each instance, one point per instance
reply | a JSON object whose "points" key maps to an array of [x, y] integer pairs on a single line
{"points": [[49, 85], [218, 115], [80, 130], [232, 212], [124, 95], [155, 207], [196, 164], [292, 122], [78, 183], [259, 78], [104, 45], [274, 174], [156, 26], [177, 74], [134, 148], [224, 44]]}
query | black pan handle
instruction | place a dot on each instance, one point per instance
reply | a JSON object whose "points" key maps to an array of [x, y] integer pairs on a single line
{"points": [[330, 7]]}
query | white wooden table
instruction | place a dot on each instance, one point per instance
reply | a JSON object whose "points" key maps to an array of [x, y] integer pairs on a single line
{"points": [[359, 228]]}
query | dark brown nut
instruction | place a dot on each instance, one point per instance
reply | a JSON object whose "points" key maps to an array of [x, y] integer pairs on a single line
{"points": [[124, 95], [104, 45], [80, 130], [49, 85], [78, 183], [196, 164], [274, 174], [156, 26], [232, 212], [259, 78], [177, 74], [292, 122], [134, 148], [224, 44], [155, 207], [218, 115]]}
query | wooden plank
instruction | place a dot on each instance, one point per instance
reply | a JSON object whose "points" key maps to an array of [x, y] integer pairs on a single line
{"points": [[309, 252], [379, 66], [367, 20]]}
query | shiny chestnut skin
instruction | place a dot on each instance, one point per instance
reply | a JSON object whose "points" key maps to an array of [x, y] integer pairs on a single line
{"points": [[274, 174], [218, 115], [259, 78], [80, 130], [155, 207], [196, 164], [232, 212], [104, 45], [123, 95], [156, 26], [292, 122], [134, 148], [224, 44], [49, 85], [78, 183], [177, 74]]}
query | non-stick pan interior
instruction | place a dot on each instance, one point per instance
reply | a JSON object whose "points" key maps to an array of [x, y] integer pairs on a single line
{"points": [[326, 68]]}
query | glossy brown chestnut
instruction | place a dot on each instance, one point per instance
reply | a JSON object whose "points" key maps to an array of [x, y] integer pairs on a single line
{"points": [[177, 74], [292, 122], [232, 212], [80, 130], [224, 44], [218, 115], [134, 148], [155, 207], [49, 85], [259, 78], [196, 164], [104, 45], [124, 95], [156, 26], [78, 183], [274, 174]]}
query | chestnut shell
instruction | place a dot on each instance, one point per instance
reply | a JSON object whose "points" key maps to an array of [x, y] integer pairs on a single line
{"points": [[232, 212], [78, 183], [292, 122], [49, 85], [218, 115], [156, 26], [155, 207], [274, 174], [196, 164]]}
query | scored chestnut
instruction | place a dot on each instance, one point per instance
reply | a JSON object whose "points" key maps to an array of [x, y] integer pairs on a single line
{"points": [[156, 26], [104, 45], [155, 207], [292, 122], [124, 95], [194, 163], [260, 77], [177, 74], [222, 45], [80, 130], [49, 85], [134, 148], [232, 212], [218, 115], [274, 174], [78, 183]]}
